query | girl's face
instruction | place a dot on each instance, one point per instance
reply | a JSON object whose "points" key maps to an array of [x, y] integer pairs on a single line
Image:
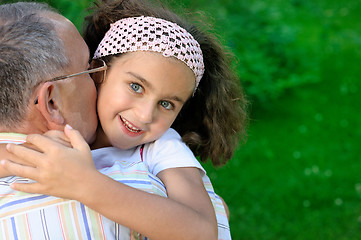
{"points": [[141, 96]]}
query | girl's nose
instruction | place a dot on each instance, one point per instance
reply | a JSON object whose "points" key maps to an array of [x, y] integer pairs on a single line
{"points": [[146, 111]]}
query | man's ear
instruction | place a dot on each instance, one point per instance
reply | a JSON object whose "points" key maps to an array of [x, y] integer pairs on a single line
{"points": [[49, 104]]}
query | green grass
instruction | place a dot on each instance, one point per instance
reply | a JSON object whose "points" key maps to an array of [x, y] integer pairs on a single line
{"points": [[298, 176]]}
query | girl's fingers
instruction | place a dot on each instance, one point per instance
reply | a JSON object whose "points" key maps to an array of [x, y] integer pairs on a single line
{"points": [[58, 136], [76, 139], [26, 155], [19, 170], [44, 143], [26, 187]]}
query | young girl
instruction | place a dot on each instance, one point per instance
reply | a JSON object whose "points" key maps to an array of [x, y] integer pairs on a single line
{"points": [[162, 73]]}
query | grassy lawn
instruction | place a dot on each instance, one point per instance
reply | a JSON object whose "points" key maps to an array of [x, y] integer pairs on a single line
{"points": [[298, 176]]}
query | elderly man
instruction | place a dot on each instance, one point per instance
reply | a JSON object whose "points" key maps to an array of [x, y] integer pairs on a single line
{"points": [[45, 84]]}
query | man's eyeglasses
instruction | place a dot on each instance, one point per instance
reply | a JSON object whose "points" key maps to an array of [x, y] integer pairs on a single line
{"points": [[96, 70], [96, 65]]}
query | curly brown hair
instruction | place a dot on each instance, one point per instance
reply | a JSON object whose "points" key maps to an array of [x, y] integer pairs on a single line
{"points": [[212, 122]]}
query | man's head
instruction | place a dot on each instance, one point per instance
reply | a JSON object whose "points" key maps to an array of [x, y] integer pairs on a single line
{"points": [[37, 44]]}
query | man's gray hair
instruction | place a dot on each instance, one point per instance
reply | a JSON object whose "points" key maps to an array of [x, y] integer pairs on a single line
{"points": [[30, 52]]}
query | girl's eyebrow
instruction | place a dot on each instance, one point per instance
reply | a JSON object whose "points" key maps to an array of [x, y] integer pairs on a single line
{"points": [[140, 78], [147, 84], [177, 99]]}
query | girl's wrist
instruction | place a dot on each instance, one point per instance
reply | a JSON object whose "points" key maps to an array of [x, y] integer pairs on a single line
{"points": [[90, 187]]}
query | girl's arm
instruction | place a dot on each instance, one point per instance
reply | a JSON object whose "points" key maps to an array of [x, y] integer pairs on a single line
{"points": [[70, 173]]}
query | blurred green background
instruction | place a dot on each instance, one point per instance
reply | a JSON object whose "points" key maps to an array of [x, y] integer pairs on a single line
{"points": [[298, 175]]}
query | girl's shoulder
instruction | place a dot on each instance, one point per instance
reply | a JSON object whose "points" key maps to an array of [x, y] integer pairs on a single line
{"points": [[171, 143], [169, 151], [170, 135]]}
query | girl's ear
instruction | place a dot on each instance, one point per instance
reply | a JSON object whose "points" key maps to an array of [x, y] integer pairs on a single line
{"points": [[49, 104], [98, 77]]}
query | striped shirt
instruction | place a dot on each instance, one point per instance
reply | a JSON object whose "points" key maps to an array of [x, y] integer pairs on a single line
{"points": [[224, 232], [36, 216]]}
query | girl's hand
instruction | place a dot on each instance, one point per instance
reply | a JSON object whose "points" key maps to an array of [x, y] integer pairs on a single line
{"points": [[57, 169], [58, 136]]}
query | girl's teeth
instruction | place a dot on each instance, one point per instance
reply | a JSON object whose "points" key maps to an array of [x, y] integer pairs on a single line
{"points": [[129, 126]]}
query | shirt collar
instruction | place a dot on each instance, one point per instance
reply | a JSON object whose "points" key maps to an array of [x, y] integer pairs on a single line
{"points": [[16, 138]]}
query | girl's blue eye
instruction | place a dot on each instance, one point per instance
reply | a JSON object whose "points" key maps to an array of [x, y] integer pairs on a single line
{"points": [[167, 105], [136, 87]]}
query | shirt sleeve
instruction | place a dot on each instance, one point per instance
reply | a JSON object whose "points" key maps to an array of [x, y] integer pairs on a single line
{"points": [[169, 152]]}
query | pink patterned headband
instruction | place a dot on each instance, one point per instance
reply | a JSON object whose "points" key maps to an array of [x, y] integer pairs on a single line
{"points": [[153, 34]]}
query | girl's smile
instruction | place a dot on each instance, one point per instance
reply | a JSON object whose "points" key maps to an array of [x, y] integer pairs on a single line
{"points": [[141, 97], [130, 129]]}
